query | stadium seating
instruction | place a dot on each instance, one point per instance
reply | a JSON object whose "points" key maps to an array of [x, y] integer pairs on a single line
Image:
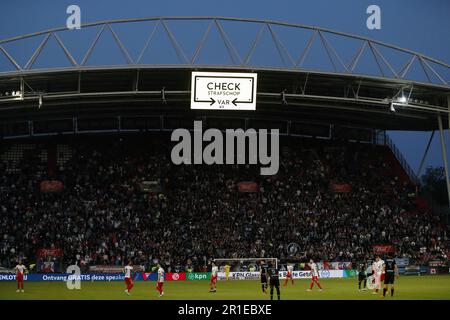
{"points": [[124, 199]]}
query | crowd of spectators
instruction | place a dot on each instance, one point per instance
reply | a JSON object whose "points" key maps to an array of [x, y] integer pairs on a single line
{"points": [[103, 216]]}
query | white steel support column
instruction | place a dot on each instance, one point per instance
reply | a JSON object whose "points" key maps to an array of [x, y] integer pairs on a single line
{"points": [[422, 162], [444, 155]]}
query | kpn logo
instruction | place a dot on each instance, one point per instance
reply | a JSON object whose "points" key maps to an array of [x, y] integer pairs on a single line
{"points": [[197, 276], [236, 147]]}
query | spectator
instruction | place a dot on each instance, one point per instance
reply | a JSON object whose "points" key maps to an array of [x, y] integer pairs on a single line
{"points": [[102, 217]]}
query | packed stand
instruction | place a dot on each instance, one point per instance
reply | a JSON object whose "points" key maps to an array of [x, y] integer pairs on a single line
{"points": [[102, 217]]}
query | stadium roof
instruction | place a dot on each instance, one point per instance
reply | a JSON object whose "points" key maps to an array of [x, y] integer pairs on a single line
{"points": [[326, 76]]}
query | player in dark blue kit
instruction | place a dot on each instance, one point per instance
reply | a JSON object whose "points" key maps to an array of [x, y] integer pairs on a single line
{"points": [[263, 271], [362, 276], [274, 281], [390, 273]]}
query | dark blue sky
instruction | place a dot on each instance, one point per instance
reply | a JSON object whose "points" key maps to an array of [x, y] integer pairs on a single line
{"points": [[422, 26]]}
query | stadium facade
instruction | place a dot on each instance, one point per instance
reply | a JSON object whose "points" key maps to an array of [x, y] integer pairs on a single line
{"points": [[317, 82], [344, 99]]}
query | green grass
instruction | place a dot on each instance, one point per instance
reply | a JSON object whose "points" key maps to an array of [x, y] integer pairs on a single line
{"points": [[407, 288]]}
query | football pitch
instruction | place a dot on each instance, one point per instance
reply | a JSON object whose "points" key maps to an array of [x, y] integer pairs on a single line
{"points": [[406, 288]]}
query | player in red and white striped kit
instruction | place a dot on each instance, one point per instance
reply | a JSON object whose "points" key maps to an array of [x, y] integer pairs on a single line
{"points": [[160, 281], [377, 269], [20, 270], [128, 279], [289, 275], [314, 275], [212, 283]]}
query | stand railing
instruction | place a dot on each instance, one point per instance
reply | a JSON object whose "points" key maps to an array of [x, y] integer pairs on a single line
{"points": [[382, 138]]}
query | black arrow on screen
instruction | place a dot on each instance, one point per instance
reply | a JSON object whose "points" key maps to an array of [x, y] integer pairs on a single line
{"points": [[235, 101], [210, 100]]}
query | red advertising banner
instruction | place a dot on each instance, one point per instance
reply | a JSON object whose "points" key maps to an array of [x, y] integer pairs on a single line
{"points": [[341, 187], [380, 249], [51, 186], [47, 267], [181, 276], [436, 263], [247, 186], [49, 252]]}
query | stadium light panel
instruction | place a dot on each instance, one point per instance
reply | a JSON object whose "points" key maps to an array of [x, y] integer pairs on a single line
{"points": [[402, 99]]}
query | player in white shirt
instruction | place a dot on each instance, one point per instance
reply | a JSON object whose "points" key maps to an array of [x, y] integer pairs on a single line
{"points": [[20, 270], [160, 281], [289, 275], [377, 269], [128, 279], [314, 275], [212, 283]]}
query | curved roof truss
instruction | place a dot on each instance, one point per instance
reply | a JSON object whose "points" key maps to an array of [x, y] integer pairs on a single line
{"points": [[291, 46]]}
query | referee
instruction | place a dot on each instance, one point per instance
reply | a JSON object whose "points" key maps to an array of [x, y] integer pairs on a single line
{"points": [[390, 273], [274, 280]]}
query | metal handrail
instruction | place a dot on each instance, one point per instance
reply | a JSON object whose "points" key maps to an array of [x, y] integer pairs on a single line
{"points": [[401, 159]]}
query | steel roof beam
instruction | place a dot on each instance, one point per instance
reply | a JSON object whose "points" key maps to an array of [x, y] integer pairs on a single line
{"points": [[228, 44], [10, 58], [273, 22], [254, 44], [306, 50], [121, 46], [37, 52], [91, 48], [234, 55], [180, 53], [147, 43]]}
